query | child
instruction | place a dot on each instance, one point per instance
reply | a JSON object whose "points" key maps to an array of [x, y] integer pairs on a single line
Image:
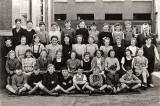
{"points": [[66, 47], [130, 81], [105, 34], [43, 34], [73, 63], [127, 61], [66, 82], [12, 64], [91, 47], [80, 81], [86, 64], [133, 47], [94, 32], [112, 67], [119, 50], [97, 80], [53, 47], [21, 49], [68, 30], [98, 61], [34, 80], [79, 48], [118, 34], [29, 32], [37, 46], [150, 52], [50, 81], [28, 63], [43, 61], [106, 48], [83, 31], [19, 83], [141, 65]]}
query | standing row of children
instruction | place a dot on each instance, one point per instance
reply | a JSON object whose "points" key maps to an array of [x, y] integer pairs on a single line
{"points": [[64, 59]]}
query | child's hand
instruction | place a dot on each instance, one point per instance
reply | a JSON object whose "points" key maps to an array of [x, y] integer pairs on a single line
{"points": [[64, 83], [52, 82], [11, 72]]}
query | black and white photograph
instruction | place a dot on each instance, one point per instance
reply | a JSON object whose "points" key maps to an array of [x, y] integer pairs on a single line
{"points": [[79, 52]]}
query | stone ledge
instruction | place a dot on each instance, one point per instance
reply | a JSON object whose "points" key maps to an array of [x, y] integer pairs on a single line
{"points": [[5, 33]]}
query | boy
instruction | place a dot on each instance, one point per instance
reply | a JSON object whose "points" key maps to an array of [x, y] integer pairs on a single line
{"points": [[66, 81], [80, 81], [130, 81], [34, 80], [50, 81], [19, 83]]}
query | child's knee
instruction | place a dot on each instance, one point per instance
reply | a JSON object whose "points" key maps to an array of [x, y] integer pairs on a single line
{"points": [[27, 86], [41, 86]]}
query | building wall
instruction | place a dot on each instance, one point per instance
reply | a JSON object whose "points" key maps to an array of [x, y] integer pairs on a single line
{"points": [[99, 8]]}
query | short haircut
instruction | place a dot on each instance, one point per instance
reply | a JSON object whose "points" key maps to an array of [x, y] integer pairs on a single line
{"points": [[17, 20], [8, 38], [50, 65], [29, 21], [102, 53], [54, 37], [41, 23], [112, 50]]}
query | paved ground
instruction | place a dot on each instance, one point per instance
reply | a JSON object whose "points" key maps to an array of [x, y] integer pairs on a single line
{"points": [[150, 97]]}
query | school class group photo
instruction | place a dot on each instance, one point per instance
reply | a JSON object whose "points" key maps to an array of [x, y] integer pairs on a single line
{"points": [[79, 60]]}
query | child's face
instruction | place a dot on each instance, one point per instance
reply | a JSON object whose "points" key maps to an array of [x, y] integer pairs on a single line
{"points": [[54, 27], [43, 54], [79, 40], [128, 53], [54, 41], [8, 42], [91, 40], [87, 57], [19, 72], [23, 41], [148, 41], [128, 26], [42, 27], [37, 71], [66, 39], [28, 54], [73, 55], [118, 42], [80, 71], [105, 28], [59, 54], [99, 54], [133, 42], [51, 69], [37, 39], [29, 25], [82, 25], [65, 73], [117, 28], [68, 24], [12, 55], [18, 24], [96, 71], [93, 27], [145, 28], [106, 42], [140, 52], [112, 54], [129, 72]]}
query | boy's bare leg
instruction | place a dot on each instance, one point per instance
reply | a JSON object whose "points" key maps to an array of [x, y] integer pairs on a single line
{"points": [[33, 90], [103, 87], [10, 88], [58, 88], [88, 87], [144, 75], [136, 86], [70, 89]]}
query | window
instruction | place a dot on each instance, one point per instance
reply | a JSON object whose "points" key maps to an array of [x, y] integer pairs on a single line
{"points": [[113, 16], [60, 16], [60, 0], [113, 0], [142, 16], [85, 0], [85, 16]]}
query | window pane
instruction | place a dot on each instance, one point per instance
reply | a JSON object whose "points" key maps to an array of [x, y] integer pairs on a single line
{"points": [[142, 16], [85, 16], [60, 16], [113, 16]]}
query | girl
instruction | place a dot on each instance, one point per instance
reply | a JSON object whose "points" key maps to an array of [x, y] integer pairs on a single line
{"points": [[28, 63], [43, 61], [79, 48], [98, 61], [73, 63], [118, 34], [53, 47], [127, 61], [106, 48], [21, 49], [86, 64], [150, 52], [91, 47], [12, 64], [141, 65], [94, 32], [67, 47], [133, 47], [112, 67], [37, 46]]}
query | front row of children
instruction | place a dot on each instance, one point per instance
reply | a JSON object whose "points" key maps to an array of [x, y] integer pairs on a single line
{"points": [[50, 83]]}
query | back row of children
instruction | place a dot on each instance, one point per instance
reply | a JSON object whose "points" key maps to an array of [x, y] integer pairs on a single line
{"points": [[112, 55]]}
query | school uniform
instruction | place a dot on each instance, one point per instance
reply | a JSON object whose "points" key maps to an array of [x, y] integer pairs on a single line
{"points": [[94, 34], [20, 51], [80, 80], [134, 50], [79, 49], [37, 50], [28, 64], [6, 50], [44, 37], [66, 51], [106, 50], [85, 34], [29, 36], [67, 82], [73, 64], [96, 80], [128, 35], [91, 48], [102, 36], [50, 81], [119, 52], [71, 32], [98, 62], [118, 35]]}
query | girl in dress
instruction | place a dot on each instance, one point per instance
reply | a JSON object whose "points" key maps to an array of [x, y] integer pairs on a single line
{"points": [[94, 32]]}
